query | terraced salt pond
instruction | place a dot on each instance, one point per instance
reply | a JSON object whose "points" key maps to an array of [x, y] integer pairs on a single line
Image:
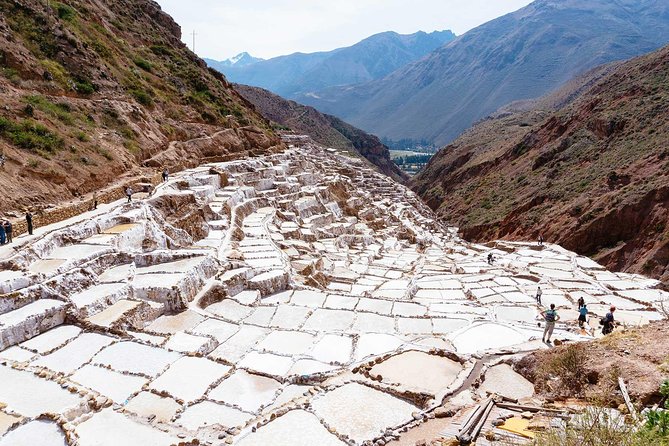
{"points": [[299, 298]]}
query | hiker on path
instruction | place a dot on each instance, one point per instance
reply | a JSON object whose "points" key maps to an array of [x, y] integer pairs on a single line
{"points": [[581, 303], [2, 161], [128, 193], [550, 316], [491, 258], [95, 201], [608, 321], [8, 230], [2, 234], [582, 315], [29, 221], [539, 293], [166, 175], [541, 240]]}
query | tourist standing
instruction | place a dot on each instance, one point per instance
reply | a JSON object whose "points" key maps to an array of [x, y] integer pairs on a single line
{"points": [[95, 200], [8, 230], [608, 321], [491, 258], [128, 193], [541, 240], [581, 302], [29, 221], [2, 234], [550, 316], [582, 315], [539, 294], [166, 175]]}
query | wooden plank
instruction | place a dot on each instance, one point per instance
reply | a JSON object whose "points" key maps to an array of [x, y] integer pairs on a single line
{"points": [[628, 401], [523, 408]]}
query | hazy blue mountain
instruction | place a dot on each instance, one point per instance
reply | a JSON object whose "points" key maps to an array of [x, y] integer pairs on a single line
{"points": [[240, 60], [367, 60], [522, 55]]}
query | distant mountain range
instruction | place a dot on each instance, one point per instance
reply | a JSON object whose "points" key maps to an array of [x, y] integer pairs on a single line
{"points": [[324, 129], [240, 60], [522, 55], [299, 73]]}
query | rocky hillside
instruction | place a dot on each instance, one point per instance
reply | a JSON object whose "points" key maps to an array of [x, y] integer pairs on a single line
{"points": [[324, 129], [92, 90], [592, 176], [522, 55], [372, 58]]}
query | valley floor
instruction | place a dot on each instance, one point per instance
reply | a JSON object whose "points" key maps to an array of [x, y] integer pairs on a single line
{"points": [[294, 299]]}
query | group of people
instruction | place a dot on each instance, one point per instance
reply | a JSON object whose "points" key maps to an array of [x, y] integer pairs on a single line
{"points": [[7, 229], [551, 317]]}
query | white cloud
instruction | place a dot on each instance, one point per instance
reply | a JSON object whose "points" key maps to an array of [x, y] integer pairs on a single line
{"points": [[269, 28]]}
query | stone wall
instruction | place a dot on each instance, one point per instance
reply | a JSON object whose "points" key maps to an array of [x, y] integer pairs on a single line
{"points": [[50, 216]]}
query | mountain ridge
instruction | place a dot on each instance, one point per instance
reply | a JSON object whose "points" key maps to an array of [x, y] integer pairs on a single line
{"points": [[368, 59], [522, 55]]}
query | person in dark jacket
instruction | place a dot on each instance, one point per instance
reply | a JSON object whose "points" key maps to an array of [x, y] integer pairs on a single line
{"points": [[2, 234], [166, 175], [29, 221], [8, 230], [609, 322]]}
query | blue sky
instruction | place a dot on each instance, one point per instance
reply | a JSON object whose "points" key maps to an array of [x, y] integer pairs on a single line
{"points": [[269, 28]]}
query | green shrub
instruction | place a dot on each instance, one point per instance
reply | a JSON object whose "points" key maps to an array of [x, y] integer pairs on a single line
{"points": [[65, 12], [60, 111], [30, 135], [143, 64], [105, 153], [142, 96], [84, 87]]}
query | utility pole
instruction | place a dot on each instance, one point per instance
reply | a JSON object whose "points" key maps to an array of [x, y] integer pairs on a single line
{"points": [[194, 34]]}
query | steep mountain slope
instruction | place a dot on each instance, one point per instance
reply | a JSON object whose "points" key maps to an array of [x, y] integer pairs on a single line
{"points": [[324, 129], [240, 60], [522, 55], [592, 176], [91, 90], [369, 59]]}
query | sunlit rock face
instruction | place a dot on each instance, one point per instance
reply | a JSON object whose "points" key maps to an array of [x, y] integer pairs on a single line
{"points": [[292, 299]]}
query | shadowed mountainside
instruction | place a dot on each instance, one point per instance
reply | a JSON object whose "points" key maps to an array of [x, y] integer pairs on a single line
{"points": [[592, 175], [324, 129]]}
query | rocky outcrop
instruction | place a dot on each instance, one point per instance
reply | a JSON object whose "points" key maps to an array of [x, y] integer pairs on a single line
{"points": [[589, 174]]}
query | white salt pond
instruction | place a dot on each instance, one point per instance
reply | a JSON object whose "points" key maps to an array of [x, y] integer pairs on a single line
{"points": [[97, 431], [30, 396], [296, 428], [503, 380], [418, 371], [42, 433], [189, 378], [249, 392], [208, 413], [486, 336], [135, 358], [361, 412]]}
